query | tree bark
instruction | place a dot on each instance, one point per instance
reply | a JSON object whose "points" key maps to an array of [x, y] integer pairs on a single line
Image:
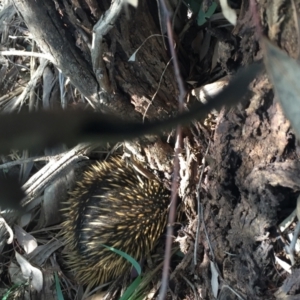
{"points": [[142, 86]]}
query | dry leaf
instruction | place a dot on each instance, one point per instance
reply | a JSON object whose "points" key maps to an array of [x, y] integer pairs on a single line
{"points": [[284, 265], [208, 91], [9, 230], [228, 12], [214, 279], [43, 252], [284, 73], [30, 272], [134, 3], [26, 240]]}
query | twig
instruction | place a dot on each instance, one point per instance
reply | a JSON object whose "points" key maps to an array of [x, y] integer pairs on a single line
{"points": [[175, 13], [192, 286], [101, 28], [171, 217], [297, 25], [30, 85], [178, 146], [199, 207], [233, 291], [32, 93], [25, 161], [27, 53], [49, 172], [159, 84], [256, 18]]}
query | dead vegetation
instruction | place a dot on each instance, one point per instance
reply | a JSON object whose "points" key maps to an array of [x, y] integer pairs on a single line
{"points": [[236, 171]]}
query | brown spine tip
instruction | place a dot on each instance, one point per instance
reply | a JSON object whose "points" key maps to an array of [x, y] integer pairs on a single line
{"points": [[111, 206]]}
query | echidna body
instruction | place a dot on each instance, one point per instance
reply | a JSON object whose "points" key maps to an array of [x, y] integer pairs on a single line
{"points": [[111, 206]]}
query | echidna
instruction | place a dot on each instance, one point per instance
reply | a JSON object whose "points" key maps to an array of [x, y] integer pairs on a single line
{"points": [[111, 206]]}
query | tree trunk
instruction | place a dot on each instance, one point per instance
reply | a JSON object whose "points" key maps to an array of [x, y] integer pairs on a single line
{"points": [[58, 31]]}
